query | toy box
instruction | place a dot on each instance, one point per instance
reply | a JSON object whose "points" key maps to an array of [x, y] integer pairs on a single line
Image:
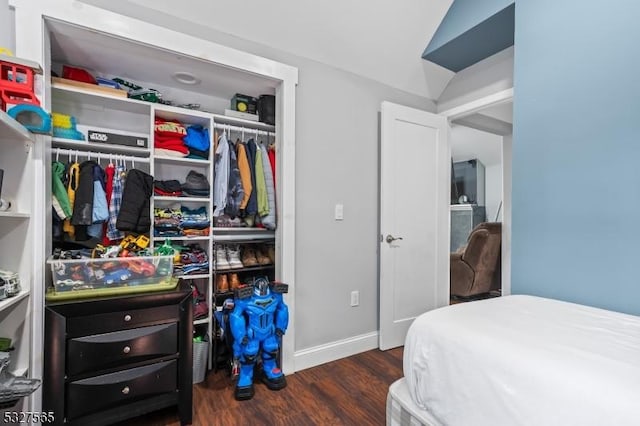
{"points": [[79, 278]]}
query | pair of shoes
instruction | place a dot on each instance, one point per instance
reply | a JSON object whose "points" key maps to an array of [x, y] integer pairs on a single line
{"points": [[228, 257], [225, 282], [254, 256]]}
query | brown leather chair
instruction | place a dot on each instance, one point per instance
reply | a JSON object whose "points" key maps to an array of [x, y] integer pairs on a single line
{"points": [[475, 268]]}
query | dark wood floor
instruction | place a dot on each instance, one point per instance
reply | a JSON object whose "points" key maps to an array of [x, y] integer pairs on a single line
{"points": [[350, 391]]}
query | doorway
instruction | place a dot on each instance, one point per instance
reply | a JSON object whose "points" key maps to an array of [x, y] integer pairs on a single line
{"points": [[481, 155]]}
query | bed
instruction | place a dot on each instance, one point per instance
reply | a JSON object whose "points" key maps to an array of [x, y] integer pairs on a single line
{"points": [[519, 360]]}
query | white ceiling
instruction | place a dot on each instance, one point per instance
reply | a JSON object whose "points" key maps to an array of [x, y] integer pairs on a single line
{"points": [[379, 39], [468, 144], [502, 112]]}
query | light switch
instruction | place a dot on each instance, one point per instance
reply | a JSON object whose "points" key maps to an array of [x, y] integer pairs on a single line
{"points": [[339, 212]]}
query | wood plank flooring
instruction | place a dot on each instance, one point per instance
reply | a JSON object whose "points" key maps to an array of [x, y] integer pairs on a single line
{"points": [[350, 391]]}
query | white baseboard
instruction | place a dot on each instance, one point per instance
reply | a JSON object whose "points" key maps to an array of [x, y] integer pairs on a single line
{"points": [[333, 351]]}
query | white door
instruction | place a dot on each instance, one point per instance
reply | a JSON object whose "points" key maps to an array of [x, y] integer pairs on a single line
{"points": [[415, 169]]}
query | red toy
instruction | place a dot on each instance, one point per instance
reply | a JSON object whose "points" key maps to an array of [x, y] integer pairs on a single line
{"points": [[16, 81]]}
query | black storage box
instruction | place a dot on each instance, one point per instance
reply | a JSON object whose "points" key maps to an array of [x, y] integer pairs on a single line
{"points": [[267, 109]]}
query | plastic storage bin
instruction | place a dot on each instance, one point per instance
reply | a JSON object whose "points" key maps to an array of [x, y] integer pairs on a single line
{"points": [[80, 278], [200, 357]]}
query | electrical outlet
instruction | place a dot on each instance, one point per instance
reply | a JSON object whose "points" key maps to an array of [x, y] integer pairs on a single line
{"points": [[339, 213], [355, 298]]}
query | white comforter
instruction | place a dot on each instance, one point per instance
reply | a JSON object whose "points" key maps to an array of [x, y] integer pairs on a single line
{"points": [[524, 360]]}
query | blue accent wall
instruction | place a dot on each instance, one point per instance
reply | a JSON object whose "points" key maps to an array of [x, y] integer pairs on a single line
{"points": [[471, 31], [576, 152]]}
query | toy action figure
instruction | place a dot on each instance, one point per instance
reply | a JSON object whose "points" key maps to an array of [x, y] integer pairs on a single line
{"points": [[258, 320]]}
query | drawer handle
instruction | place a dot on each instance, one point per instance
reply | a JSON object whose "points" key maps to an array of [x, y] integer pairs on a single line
{"points": [[127, 318], [125, 390], [126, 349]]}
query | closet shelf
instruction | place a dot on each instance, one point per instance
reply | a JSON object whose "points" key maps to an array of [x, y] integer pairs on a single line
{"points": [[183, 238], [248, 124], [98, 147], [193, 277], [184, 115], [181, 199], [98, 101], [11, 130], [241, 234], [10, 301], [162, 159], [247, 269], [16, 215]]}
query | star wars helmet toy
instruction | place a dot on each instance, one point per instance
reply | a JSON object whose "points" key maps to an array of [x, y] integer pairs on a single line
{"points": [[10, 281]]}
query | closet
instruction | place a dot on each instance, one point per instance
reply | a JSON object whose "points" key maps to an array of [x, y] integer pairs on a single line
{"points": [[111, 45]]}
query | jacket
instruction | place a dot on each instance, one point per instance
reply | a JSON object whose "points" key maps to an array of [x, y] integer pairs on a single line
{"points": [[235, 193], [134, 215], [252, 204], [83, 206], [269, 220]]}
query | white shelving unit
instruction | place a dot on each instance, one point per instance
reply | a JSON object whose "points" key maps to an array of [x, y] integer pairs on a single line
{"points": [[17, 246]]}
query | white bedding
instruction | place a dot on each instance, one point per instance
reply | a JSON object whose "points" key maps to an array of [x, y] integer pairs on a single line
{"points": [[525, 360]]}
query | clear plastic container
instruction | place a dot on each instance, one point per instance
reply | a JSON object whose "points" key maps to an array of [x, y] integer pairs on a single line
{"points": [[75, 275]]}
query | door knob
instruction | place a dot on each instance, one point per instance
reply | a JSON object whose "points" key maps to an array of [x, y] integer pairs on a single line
{"points": [[390, 238]]}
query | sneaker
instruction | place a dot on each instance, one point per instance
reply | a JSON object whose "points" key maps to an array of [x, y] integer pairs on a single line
{"points": [[234, 281], [222, 262], [233, 254], [222, 283], [249, 257]]}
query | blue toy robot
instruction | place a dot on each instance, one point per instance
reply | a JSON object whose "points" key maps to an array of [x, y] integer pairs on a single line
{"points": [[258, 320]]}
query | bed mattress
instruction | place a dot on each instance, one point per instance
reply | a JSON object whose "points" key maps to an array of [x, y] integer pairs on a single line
{"points": [[401, 410], [524, 360]]}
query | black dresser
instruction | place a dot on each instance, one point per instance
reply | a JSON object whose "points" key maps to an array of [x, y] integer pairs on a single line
{"points": [[112, 359]]}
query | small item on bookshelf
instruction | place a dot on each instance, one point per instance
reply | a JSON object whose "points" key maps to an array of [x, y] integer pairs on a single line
{"points": [[114, 137], [244, 103]]}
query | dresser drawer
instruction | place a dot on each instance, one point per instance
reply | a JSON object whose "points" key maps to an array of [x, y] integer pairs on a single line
{"points": [[88, 396], [119, 320], [93, 353]]}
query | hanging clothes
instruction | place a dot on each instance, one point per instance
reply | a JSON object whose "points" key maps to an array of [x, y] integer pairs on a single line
{"points": [[135, 215], [252, 204], [268, 220], [83, 206], [100, 206], [60, 198], [235, 193], [221, 180], [113, 233], [272, 160], [261, 185], [245, 173], [109, 172], [74, 177]]}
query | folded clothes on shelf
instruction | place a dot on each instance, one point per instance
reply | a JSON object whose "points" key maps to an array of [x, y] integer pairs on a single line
{"points": [[196, 184], [171, 188]]}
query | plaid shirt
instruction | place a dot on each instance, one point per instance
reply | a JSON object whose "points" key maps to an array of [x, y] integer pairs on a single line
{"points": [[114, 206]]}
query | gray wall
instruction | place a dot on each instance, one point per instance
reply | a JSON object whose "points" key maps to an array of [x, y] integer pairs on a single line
{"points": [[336, 162]]}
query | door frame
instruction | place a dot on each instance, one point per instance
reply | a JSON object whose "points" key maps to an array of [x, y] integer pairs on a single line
{"points": [[473, 107]]}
